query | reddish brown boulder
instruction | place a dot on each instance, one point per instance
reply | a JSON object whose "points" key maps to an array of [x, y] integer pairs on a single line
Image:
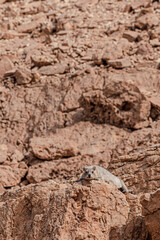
{"points": [[3, 153], [131, 36], [113, 52], [21, 74], [155, 42], [53, 148], [147, 21], [55, 69], [10, 177], [41, 60], [140, 3], [79, 85], [16, 156], [5, 65], [120, 104], [151, 213], [11, 34], [119, 63], [27, 27], [62, 211]]}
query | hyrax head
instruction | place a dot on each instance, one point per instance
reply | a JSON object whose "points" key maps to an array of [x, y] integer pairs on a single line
{"points": [[89, 173]]}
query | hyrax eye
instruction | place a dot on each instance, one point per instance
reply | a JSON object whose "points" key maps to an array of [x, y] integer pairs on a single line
{"points": [[92, 171]]}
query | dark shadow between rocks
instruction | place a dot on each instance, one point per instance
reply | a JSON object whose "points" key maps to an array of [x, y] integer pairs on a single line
{"points": [[135, 230]]}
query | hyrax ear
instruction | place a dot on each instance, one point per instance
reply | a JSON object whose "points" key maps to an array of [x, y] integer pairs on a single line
{"points": [[94, 168], [84, 168]]}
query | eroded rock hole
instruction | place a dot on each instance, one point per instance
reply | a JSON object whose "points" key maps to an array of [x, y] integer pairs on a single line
{"points": [[126, 106]]}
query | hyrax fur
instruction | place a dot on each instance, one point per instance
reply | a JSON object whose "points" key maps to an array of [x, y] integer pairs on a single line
{"points": [[98, 173]]}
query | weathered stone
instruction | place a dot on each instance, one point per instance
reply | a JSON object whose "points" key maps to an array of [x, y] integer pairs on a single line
{"points": [[147, 21], [117, 126], [21, 74], [13, 34], [10, 177], [2, 189], [36, 207], [41, 60], [158, 63], [144, 49], [32, 8], [127, 8], [140, 3], [119, 63], [53, 148], [151, 213], [112, 52], [52, 70], [131, 36], [119, 103], [17, 156], [5, 65], [155, 42], [111, 29], [28, 27], [3, 153]]}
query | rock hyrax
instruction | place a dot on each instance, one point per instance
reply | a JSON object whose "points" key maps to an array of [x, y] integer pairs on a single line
{"points": [[98, 173]]}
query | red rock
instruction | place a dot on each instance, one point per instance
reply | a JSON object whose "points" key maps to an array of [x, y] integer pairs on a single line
{"points": [[40, 61], [158, 63], [155, 42], [3, 153], [131, 36], [112, 29], [144, 49], [21, 74], [52, 70], [13, 34], [101, 207], [147, 21], [128, 8], [17, 156], [116, 126], [116, 106], [5, 65], [41, 172], [151, 213], [2, 189], [28, 27], [119, 63], [11, 176], [10, 0], [33, 8], [53, 148], [155, 103], [112, 52], [140, 3]]}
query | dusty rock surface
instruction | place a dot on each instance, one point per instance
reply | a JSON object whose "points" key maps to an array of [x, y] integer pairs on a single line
{"points": [[79, 85], [151, 212], [44, 211]]}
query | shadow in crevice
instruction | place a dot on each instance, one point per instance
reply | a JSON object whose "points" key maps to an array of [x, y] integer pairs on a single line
{"points": [[135, 230]]}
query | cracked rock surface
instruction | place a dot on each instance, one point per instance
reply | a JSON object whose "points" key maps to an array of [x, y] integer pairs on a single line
{"points": [[79, 85]]}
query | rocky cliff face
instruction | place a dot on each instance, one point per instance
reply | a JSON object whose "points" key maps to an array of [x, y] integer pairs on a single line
{"points": [[79, 85]]}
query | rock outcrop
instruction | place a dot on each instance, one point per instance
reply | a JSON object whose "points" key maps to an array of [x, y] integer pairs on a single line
{"points": [[151, 212], [79, 85], [62, 211], [118, 103]]}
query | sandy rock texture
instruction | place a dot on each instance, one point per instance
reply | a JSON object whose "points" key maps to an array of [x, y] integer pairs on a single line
{"points": [[46, 210], [151, 212], [79, 85]]}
